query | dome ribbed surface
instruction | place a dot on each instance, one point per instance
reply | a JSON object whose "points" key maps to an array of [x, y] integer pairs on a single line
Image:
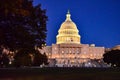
{"points": [[68, 32], [68, 25]]}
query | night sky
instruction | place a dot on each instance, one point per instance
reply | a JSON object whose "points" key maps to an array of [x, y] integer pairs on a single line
{"points": [[98, 21]]}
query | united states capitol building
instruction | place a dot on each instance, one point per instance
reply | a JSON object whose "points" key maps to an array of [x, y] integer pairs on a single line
{"points": [[68, 50]]}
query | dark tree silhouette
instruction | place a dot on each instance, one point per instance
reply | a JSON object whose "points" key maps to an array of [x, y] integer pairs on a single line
{"points": [[112, 57], [45, 59], [37, 61], [22, 27], [4, 60], [40, 59], [22, 58]]}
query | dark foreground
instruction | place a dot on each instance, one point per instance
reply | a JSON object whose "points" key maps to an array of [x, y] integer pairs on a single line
{"points": [[60, 74]]}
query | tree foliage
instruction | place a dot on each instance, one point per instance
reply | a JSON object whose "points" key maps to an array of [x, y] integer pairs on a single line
{"points": [[112, 57], [22, 27], [22, 58], [4, 60], [40, 59]]}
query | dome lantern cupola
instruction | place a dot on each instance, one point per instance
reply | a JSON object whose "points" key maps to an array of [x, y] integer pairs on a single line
{"points": [[68, 16]]}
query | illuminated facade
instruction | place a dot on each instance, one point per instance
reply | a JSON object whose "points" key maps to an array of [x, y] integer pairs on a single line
{"points": [[117, 47], [68, 51]]}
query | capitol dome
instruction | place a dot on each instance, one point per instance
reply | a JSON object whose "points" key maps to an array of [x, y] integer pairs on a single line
{"points": [[68, 32], [68, 25]]}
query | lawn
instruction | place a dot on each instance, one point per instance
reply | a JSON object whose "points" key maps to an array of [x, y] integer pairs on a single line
{"points": [[60, 74]]}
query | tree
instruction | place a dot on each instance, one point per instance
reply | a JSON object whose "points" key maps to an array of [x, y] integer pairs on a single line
{"points": [[45, 59], [22, 26], [4, 60], [22, 58], [112, 57], [40, 59]]}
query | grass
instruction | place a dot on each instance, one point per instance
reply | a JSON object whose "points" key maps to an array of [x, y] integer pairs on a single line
{"points": [[60, 74]]}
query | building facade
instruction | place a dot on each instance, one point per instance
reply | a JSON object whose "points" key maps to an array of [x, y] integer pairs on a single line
{"points": [[68, 50]]}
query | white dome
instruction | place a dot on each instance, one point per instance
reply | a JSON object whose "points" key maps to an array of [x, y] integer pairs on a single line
{"points": [[68, 32], [68, 25]]}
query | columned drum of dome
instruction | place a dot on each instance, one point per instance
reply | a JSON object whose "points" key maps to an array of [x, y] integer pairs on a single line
{"points": [[68, 32]]}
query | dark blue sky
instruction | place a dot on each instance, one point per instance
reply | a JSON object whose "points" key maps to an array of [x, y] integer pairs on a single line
{"points": [[98, 21]]}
